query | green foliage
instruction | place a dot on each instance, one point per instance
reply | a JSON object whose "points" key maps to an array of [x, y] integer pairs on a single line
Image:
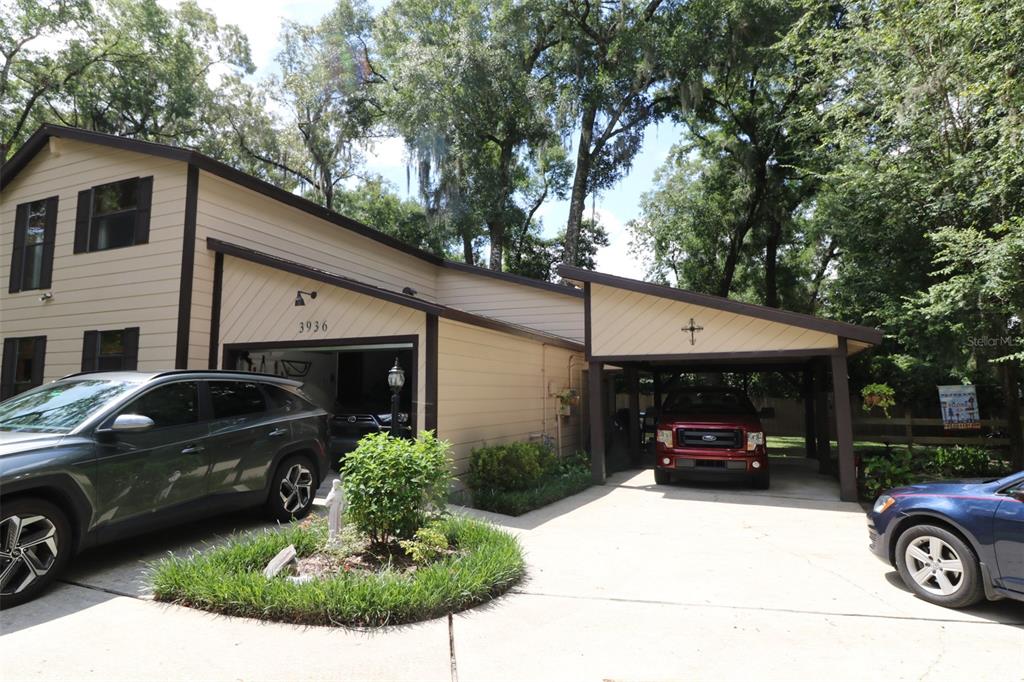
{"points": [[963, 461], [519, 477], [878, 395], [228, 579], [392, 483], [885, 471], [428, 544], [512, 466]]}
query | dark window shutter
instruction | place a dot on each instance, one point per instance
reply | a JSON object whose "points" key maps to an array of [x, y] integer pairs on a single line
{"points": [[7, 372], [131, 348], [90, 350], [145, 199], [38, 359], [82, 221], [49, 239], [20, 224]]}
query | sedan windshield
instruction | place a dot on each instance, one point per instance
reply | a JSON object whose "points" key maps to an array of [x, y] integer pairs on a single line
{"points": [[59, 407], [708, 402]]}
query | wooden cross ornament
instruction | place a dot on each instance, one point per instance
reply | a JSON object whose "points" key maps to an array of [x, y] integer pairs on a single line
{"points": [[693, 329]]}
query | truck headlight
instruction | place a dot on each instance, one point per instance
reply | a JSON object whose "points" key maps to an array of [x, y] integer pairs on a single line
{"points": [[754, 438], [665, 437]]}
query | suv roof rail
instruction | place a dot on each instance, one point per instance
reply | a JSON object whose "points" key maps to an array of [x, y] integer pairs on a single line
{"points": [[178, 372]]}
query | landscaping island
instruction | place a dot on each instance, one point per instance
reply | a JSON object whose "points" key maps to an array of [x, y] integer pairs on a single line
{"points": [[399, 558]]}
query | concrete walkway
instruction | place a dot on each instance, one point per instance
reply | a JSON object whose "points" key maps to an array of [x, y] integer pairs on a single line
{"points": [[629, 581]]}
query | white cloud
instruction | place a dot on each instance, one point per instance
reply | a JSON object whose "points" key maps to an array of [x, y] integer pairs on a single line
{"points": [[616, 259]]}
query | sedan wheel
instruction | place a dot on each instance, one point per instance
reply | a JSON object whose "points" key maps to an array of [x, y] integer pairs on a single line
{"points": [[296, 488], [34, 537], [939, 566]]}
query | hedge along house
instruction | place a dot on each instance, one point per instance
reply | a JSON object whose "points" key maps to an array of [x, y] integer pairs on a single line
{"points": [[121, 254], [638, 326]]}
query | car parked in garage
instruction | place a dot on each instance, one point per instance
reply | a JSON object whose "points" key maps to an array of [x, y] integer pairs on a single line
{"points": [[710, 432], [96, 457], [954, 543], [348, 425]]}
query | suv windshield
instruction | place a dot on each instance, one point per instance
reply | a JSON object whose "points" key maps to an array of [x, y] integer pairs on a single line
{"points": [[710, 401], [59, 407]]}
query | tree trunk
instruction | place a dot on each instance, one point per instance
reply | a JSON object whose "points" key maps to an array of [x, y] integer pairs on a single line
{"points": [[771, 262], [740, 232], [467, 248], [496, 231], [1011, 396], [580, 180]]}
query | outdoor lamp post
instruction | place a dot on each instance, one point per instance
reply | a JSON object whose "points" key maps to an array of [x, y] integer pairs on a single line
{"points": [[396, 379]]}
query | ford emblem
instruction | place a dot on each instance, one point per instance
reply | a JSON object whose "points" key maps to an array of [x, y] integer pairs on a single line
{"points": [[708, 437]]}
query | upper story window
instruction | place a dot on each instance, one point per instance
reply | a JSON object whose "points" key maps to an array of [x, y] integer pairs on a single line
{"points": [[35, 231], [114, 215], [110, 350]]}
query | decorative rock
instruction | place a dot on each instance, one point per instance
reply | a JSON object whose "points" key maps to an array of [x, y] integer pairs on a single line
{"points": [[280, 560]]}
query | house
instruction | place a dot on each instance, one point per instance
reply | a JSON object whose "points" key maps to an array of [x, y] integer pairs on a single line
{"points": [[123, 254]]}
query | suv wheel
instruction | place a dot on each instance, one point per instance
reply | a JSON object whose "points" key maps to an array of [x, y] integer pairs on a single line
{"points": [[292, 489], [939, 567], [35, 546]]}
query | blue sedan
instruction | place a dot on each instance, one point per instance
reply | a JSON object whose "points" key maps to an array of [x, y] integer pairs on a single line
{"points": [[954, 543]]}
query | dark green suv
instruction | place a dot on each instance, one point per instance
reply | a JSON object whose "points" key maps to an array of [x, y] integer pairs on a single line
{"points": [[96, 457]]}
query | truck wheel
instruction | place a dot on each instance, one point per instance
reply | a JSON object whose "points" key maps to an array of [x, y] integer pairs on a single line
{"points": [[939, 567], [292, 489], [35, 547], [762, 481], [662, 477]]}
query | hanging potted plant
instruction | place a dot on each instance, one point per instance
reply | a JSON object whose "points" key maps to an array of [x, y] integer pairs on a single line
{"points": [[566, 399], [881, 396]]}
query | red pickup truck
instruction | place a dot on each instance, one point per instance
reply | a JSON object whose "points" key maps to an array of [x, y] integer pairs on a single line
{"points": [[710, 432]]}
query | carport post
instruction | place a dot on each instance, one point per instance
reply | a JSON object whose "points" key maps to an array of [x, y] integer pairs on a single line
{"points": [[844, 425], [821, 426], [595, 394], [810, 442], [633, 386]]}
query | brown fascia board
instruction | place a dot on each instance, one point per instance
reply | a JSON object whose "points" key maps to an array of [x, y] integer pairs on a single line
{"points": [[39, 139], [285, 265], [841, 329]]}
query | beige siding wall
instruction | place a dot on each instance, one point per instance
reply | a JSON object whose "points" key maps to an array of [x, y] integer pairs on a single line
{"points": [[496, 388], [520, 304], [626, 323], [133, 286], [235, 214], [258, 305]]}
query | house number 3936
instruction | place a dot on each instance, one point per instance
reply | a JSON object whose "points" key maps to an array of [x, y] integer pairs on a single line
{"points": [[312, 326]]}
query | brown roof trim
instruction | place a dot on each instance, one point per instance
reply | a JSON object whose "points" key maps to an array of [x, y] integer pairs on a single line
{"points": [[841, 329], [39, 139], [283, 264]]}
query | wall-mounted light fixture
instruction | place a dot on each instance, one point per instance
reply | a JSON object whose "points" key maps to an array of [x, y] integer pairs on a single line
{"points": [[46, 296], [409, 291], [298, 296]]}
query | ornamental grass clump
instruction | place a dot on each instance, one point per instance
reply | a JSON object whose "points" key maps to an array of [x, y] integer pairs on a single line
{"points": [[393, 484]]}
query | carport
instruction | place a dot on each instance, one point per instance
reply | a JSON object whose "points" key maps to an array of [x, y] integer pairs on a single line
{"points": [[638, 326]]}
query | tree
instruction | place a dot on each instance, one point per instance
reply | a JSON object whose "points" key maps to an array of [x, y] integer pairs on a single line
{"points": [[375, 203], [129, 67], [609, 59], [531, 255], [468, 97]]}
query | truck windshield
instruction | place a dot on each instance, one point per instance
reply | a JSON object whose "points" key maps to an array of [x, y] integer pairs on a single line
{"points": [[59, 407], [716, 401]]}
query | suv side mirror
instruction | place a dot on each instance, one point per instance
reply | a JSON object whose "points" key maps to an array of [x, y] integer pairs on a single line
{"points": [[131, 423], [766, 413]]}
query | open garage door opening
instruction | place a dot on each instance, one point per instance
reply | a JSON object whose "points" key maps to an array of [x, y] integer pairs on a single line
{"points": [[748, 424], [347, 378]]}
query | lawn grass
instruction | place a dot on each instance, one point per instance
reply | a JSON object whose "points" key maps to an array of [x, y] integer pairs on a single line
{"points": [[550, 489], [793, 446], [229, 580]]}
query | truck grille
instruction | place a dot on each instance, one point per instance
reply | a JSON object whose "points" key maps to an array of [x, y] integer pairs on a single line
{"points": [[710, 439]]}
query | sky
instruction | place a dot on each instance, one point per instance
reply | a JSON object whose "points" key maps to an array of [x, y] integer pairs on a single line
{"points": [[614, 207]]}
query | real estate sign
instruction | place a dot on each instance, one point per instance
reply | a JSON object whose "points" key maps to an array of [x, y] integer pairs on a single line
{"points": [[959, 407]]}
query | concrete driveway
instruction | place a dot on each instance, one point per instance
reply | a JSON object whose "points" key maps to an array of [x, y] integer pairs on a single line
{"points": [[628, 581]]}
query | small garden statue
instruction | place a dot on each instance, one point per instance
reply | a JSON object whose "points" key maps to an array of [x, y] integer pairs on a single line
{"points": [[335, 507]]}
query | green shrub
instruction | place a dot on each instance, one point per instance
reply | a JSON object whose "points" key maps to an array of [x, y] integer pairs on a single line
{"points": [[550, 489], [962, 460], [391, 483], [885, 471], [508, 467], [427, 545]]}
